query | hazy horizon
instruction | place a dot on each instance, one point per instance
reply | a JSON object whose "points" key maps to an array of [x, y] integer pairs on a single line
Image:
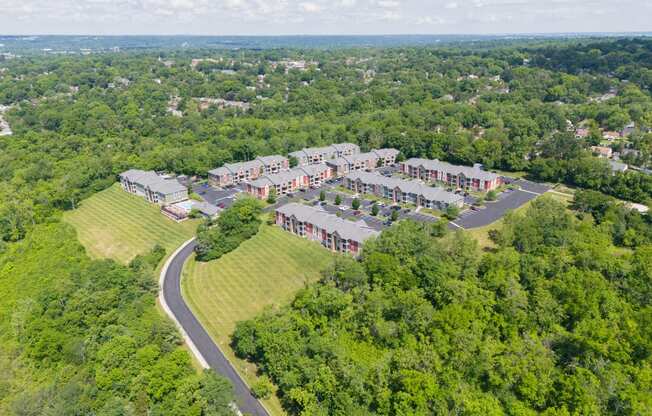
{"points": [[321, 17]]}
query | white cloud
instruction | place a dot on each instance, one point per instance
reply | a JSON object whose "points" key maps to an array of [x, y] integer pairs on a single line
{"points": [[320, 16], [310, 7]]}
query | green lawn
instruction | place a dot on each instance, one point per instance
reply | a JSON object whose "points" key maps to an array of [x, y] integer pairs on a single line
{"points": [[265, 271], [118, 225]]}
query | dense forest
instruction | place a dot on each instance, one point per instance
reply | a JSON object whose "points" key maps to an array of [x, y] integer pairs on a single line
{"points": [[77, 121], [556, 320]]}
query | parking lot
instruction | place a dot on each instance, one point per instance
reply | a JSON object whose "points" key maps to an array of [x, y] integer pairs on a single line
{"points": [[507, 200], [222, 198], [468, 219]]}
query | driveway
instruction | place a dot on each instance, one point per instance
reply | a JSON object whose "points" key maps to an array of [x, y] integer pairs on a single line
{"points": [[200, 341]]}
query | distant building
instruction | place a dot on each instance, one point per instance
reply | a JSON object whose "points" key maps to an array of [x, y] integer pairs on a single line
{"points": [[465, 177], [387, 156], [332, 232], [611, 135], [582, 133], [153, 187], [402, 191], [602, 151]]}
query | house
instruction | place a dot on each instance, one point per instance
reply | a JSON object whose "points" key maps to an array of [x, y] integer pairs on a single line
{"points": [[329, 230], [153, 187], [283, 182], [352, 163], [582, 133], [314, 155], [611, 135], [618, 167], [402, 191], [465, 177], [387, 157], [602, 151]]}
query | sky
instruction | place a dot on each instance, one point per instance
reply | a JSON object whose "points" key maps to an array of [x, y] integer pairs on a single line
{"points": [[349, 17]]}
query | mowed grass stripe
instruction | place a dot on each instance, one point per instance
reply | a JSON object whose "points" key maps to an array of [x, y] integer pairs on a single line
{"points": [[115, 224], [128, 206], [264, 271]]}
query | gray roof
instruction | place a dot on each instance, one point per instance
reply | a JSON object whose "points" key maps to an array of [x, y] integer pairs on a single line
{"points": [[356, 231], [154, 182], [383, 153], [279, 178], [206, 208], [468, 171], [268, 160], [340, 161], [140, 176], [326, 150], [312, 170], [341, 147], [407, 187], [235, 167], [167, 186], [361, 157]]}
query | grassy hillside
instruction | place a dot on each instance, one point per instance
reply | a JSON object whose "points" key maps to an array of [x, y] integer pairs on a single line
{"points": [[264, 271], [115, 224]]}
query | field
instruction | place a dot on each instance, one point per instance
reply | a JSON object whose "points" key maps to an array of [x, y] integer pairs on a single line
{"points": [[263, 272], [115, 224]]}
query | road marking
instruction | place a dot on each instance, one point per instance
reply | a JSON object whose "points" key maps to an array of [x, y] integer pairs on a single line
{"points": [[531, 192], [458, 226]]}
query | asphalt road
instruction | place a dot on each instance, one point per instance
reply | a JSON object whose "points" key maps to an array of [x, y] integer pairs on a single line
{"points": [[246, 402]]}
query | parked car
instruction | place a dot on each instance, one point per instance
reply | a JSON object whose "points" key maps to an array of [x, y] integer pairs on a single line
{"points": [[221, 205], [343, 208], [396, 208]]}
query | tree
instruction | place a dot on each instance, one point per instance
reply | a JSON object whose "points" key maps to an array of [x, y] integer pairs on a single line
{"points": [[355, 204], [271, 198], [374, 210], [294, 162], [338, 199], [394, 215], [452, 211], [262, 388], [322, 195], [492, 195]]}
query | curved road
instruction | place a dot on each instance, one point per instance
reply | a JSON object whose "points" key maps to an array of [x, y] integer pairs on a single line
{"points": [[196, 336]]}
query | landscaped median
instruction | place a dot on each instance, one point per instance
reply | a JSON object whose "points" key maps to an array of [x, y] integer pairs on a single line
{"points": [[264, 271]]}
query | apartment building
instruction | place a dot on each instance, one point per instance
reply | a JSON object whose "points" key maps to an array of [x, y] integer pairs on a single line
{"points": [[332, 232], [465, 177], [289, 181], [235, 173], [386, 156], [152, 187], [315, 155], [402, 191], [352, 163]]}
